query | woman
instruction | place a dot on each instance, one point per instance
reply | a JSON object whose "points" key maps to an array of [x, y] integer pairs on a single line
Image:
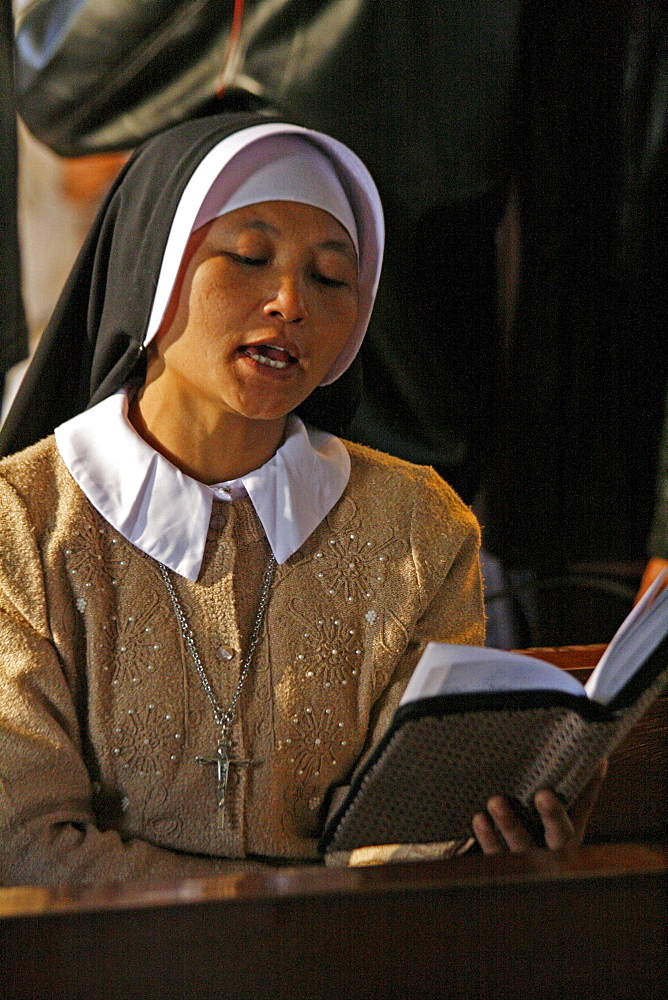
{"points": [[208, 610]]}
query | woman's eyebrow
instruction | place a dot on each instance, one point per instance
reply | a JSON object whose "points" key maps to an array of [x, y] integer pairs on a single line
{"points": [[260, 225], [339, 246]]}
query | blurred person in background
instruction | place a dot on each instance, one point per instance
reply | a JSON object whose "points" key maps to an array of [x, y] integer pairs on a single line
{"points": [[421, 91], [13, 332]]}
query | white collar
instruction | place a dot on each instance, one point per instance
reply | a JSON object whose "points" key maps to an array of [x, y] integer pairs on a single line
{"points": [[166, 514]]}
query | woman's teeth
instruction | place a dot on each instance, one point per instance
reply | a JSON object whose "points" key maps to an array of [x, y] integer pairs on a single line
{"points": [[279, 358], [267, 361]]}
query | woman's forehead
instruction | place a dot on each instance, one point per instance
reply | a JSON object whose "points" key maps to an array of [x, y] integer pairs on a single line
{"points": [[281, 219]]}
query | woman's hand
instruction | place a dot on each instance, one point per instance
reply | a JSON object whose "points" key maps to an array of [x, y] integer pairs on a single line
{"points": [[498, 829]]}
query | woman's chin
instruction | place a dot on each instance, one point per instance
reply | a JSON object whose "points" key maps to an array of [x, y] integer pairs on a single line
{"points": [[271, 402], [267, 410]]}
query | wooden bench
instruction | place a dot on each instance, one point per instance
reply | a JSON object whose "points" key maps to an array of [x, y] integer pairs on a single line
{"points": [[590, 924]]}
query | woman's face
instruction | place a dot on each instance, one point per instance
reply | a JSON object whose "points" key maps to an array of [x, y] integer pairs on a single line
{"points": [[266, 299]]}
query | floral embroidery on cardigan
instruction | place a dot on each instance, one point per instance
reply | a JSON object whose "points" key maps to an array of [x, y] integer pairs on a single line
{"points": [[95, 553], [128, 645], [351, 564], [144, 740], [332, 649], [314, 743]]}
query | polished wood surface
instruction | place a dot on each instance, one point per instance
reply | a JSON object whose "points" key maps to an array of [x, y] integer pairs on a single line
{"points": [[571, 658], [577, 924], [290, 883]]}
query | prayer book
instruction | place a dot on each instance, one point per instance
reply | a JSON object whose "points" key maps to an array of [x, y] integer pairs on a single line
{"points": [[474, 722]]}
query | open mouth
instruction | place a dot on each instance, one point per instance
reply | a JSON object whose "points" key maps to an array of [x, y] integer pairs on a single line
{"points": [[272, 357]]}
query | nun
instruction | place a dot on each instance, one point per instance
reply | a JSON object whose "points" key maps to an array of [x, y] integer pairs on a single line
{"points": [[210, 605]]}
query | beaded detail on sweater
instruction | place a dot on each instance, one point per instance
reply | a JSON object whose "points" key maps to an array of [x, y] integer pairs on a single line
{"points": [[392, 566]]}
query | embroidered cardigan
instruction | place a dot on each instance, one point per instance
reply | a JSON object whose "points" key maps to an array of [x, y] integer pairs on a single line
{"points": [[102, 713]]}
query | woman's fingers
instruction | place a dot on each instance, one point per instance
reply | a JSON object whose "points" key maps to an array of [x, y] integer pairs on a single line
{"points": [[579, 812], [557, 825], [486, 835], [514, 833], [499, 829]]}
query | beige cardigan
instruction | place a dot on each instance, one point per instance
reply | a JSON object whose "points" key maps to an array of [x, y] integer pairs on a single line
{"points": [[102, 713]]}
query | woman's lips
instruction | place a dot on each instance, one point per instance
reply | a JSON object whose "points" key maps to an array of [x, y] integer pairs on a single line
{"points": [[269, 355]]}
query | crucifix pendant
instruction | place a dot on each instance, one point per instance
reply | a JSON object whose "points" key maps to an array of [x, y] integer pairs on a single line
{"points": [[223, 761]]}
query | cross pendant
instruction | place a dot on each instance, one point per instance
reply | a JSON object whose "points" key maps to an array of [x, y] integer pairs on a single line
{"points": [[223, 762]]}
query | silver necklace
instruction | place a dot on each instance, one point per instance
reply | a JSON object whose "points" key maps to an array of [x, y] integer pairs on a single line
{"points": [[223, 717]]}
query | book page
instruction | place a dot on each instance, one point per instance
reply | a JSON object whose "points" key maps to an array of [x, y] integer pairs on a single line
{"points": [[445, 668], [635, 640]]}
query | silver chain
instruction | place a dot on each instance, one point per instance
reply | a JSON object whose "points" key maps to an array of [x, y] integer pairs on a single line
{"points": [[223, 717]]}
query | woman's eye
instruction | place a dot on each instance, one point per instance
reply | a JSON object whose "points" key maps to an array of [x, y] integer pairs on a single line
{"points": [[322, 279], [240, 258]]}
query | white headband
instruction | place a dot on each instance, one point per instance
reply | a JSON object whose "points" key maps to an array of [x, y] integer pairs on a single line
{"points": [[280, 162]]}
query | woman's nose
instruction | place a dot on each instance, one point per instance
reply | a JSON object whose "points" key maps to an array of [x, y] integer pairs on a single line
{"points": [[287, 303]]}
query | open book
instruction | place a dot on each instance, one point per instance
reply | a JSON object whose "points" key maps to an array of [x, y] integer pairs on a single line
{"points": [[474, 722]]}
